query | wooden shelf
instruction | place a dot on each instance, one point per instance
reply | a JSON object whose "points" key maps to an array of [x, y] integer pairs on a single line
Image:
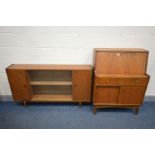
{"points": [[64, 83], [50, 98], [49, 67]]}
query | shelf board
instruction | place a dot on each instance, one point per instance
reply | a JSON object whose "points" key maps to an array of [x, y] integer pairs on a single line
{"points": [[50, 98], [64, 83]]}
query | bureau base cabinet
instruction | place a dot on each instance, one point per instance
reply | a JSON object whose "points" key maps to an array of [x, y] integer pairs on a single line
{"points": [[50, 83], [120, 78], [118, 96]]}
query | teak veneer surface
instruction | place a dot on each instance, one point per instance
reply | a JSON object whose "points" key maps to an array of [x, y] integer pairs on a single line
{"points": [[51, 83], [122, 75], [49, 98], [48, 83], [49, 67], [120, 78], [120, 50], [120, 61]]}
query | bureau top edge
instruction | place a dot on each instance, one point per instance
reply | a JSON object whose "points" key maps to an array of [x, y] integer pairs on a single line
{"points": [[120, 50]]}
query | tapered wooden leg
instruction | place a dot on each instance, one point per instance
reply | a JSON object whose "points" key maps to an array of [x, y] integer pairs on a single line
{"points": [[136, 110], [80, 104], [94, 110], [25, 104]]}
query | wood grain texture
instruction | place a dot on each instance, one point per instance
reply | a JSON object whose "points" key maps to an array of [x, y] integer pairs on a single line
{"points": [[50, 98], [120, 50], [120, 77], [131, 95], [46, 83], [119, 62], [106, 95], [64, 83], [19, 85], [81, 85], [49, 67], [121, 81]]}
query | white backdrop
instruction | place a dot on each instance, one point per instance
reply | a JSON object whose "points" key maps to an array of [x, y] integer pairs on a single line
{"points": [[69, 45]]}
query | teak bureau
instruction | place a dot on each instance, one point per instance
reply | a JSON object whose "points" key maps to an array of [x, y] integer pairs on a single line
{"points": [[47, 83], [120, 78]]}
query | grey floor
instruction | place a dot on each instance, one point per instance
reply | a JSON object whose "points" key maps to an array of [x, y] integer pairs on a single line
{"points": [[70, 116]]}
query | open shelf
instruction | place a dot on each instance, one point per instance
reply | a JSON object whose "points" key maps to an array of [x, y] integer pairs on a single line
{"points": [[62, 83], [52, 75], [51, 85], [49, 98], [50, 82], [52, 89]]}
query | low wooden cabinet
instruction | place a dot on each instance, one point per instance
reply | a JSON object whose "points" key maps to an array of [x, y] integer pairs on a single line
{"points": [[50, 83], [120, 78]]}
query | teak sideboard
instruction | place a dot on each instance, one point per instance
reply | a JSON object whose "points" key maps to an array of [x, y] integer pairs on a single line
{"points": [[47, 83], [120, 78]]}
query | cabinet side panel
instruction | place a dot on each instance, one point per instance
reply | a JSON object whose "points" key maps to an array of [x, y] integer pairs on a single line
{"points": [[18, 84], [81, 85]]}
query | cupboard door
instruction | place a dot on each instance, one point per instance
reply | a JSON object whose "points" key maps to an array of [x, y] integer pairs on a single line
{"points": [[81, 85], [18, 84], [131, 95], [105, 95]]}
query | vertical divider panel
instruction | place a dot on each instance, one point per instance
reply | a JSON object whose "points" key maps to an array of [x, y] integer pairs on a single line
{"points": [[29, 86]]}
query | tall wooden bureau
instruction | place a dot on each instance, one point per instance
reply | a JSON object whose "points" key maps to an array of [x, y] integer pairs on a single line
{"points": [[50, 83], [120, 78]]}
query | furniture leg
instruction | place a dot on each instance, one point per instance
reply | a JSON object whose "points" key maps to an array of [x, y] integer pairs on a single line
{"points": [[136, 110], [80, 104], [25, 104], [94, 110]]}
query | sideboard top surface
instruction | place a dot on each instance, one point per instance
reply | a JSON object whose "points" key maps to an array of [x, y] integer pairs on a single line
{"points": [[48, 67]]}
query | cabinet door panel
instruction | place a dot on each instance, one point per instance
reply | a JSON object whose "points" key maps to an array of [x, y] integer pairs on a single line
{"points": [[106, 95], [81, 85], [131, 95], [18, 84]]}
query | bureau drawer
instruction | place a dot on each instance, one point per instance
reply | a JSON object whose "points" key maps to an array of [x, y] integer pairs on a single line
{"points": [[102, 81], [141, 81]]}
